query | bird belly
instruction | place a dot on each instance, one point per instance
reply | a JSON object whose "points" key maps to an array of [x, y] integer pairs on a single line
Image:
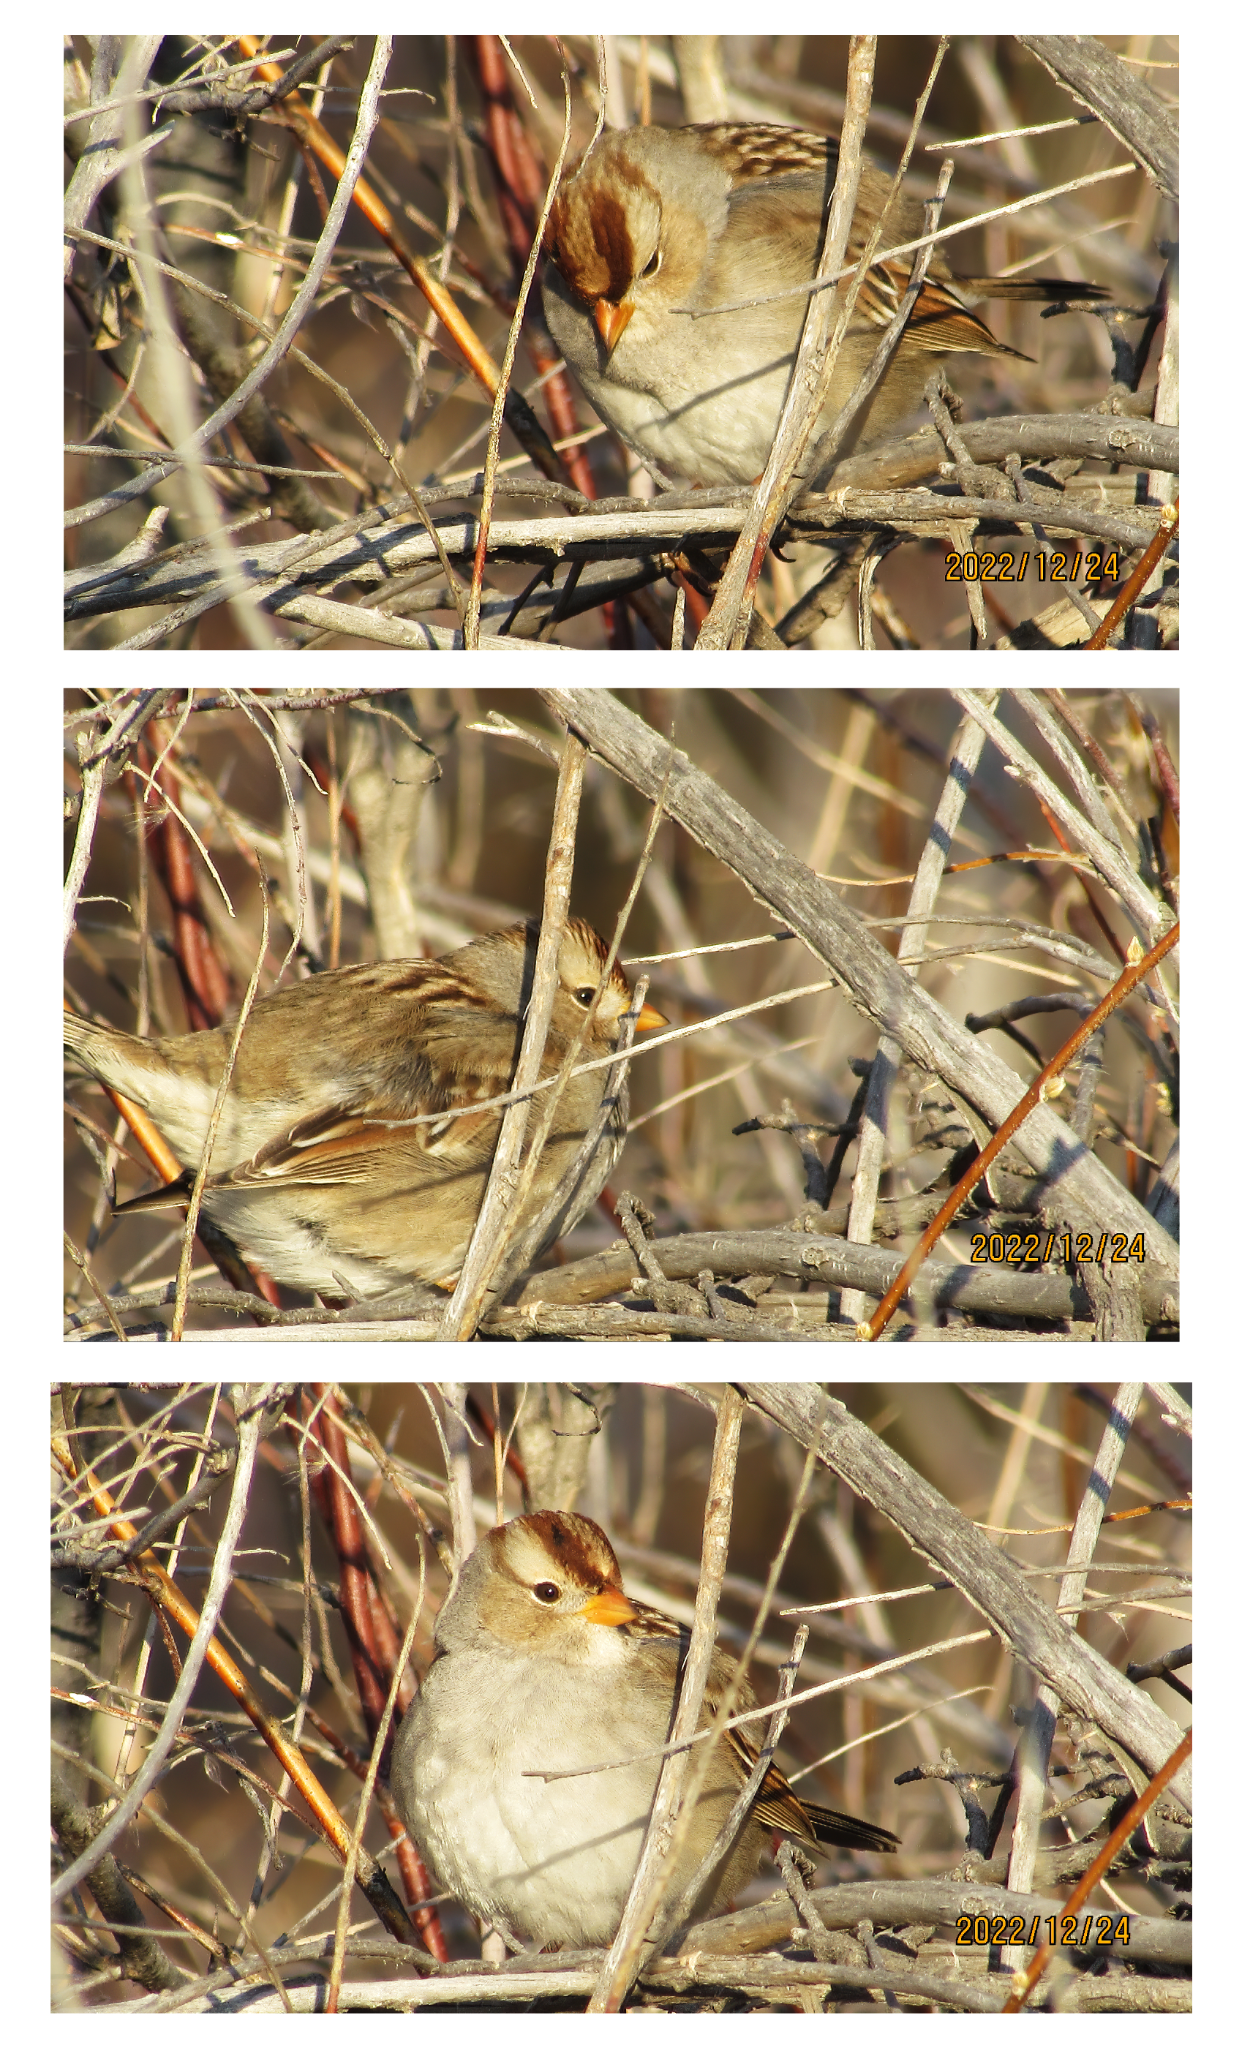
{"points": [[548, 1859], [719, 436], [362, 1241]]}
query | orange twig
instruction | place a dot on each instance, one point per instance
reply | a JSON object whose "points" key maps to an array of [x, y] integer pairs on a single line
{"points": [[520, 195], [1126, 981], [167, 1597], [1027, 1979], [313, 136], [165, 1162], [1138, 577]]}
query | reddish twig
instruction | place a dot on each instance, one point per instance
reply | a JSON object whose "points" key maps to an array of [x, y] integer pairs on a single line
{"points": [[166, 1597], [205, 983], [1167, 773], [1027, 1979], [1128, 980], [315, 137], [1093, 900], [1136, 580], [374, 1644], [340, 1513], [520, 186]]}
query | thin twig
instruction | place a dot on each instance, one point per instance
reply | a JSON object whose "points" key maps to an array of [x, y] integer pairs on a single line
{"points": [[491, 1233], [655, 1866]]}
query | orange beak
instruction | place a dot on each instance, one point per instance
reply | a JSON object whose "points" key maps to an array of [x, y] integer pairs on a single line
{"points": [[610, 318], [609, 1608], [649, 1018]]}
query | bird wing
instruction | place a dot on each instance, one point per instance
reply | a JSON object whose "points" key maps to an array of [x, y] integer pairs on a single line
{"points": [[352, 1143]]}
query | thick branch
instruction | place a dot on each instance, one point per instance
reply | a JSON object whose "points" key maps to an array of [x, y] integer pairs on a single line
{"points": [[930, 1038], [1082, 1679]]}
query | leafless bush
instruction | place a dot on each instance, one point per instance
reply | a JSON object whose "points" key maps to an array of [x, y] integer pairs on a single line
{"points": [[821, 1101], [337, 499], [332, 1516]]}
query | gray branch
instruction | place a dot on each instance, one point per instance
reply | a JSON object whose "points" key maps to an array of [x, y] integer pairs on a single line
{"points": [[1125, 102], [623, 541], [1082, 1679], [931, 1039]]}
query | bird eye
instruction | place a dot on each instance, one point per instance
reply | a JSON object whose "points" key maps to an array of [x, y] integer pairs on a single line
{"points": [[547, 1592], [584, 996], [652, 265]]}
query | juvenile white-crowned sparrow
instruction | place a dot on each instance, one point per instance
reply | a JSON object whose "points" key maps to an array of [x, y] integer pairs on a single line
{"points": [[659, 226], [318, 1174], [544, 1664]]}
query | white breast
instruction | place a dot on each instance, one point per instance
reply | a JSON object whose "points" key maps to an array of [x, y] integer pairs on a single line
{"points": [[550, 1859]]}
